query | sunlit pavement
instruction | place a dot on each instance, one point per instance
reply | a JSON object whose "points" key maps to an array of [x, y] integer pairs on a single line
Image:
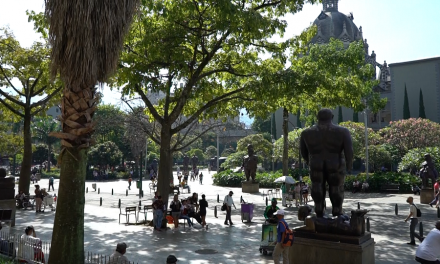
{"points": [[236, 244]]}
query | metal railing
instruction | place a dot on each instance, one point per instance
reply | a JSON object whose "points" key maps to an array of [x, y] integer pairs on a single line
{"points": [[36, 251], [31, 249], [92, 258]]}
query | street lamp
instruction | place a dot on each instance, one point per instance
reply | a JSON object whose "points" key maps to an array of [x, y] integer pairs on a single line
{"points": [[366, 138]]}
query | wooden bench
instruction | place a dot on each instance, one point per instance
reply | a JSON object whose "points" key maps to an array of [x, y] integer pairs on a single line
{"points": [[390, 187], [128, 211]]}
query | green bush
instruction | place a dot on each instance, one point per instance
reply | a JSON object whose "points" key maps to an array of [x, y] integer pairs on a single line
{"points": [[51, 173], [376, 180], [295, 173], [234, 179], [413, 159]]}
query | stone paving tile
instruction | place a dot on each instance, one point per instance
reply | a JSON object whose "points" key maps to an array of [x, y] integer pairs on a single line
{"points": [[237, 244]]}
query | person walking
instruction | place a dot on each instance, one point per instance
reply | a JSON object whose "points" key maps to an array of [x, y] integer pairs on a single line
{"points": [[201, 177], [436, 192], [203, 205], [51, 180], [413, 221], [429, 250], [158, 209], [229, 202], [129, 182], [281, 233]]}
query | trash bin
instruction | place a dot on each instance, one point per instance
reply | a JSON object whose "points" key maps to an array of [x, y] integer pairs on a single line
{"points": [[247, 212], [138, 184]]}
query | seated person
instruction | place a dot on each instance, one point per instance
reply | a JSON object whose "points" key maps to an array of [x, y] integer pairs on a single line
{"points": [[365, 186], [269, 213], [416, 189], [184, 210], [19, 198], [29, 248], [192, 213], [194, 200]]}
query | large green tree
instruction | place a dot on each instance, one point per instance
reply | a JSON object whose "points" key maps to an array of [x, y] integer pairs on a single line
{"points": [[34, 92], [328, 75], [42, 127], [86, 39], [210, 47]]}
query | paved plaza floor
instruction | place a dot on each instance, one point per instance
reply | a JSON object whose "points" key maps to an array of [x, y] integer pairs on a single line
{"points": [[236, 244]]}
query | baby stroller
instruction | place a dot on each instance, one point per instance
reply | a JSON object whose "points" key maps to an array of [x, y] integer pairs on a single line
{"points": [[49, 201]]}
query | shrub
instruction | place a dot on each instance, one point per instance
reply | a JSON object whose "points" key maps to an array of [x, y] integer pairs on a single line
{"points": [[376, 180], [234, 179], [413, 159]]}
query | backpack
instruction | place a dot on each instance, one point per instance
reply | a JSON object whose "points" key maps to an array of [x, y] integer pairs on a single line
{"points": [[419, 213], [288, 238]]}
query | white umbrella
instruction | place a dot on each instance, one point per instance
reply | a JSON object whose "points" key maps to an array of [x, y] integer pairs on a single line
{"points": [[286, 179]]}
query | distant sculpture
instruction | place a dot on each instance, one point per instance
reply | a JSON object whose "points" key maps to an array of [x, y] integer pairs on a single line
{"points": [[250, 164], [427, 172], [328, 150], [185, 163], [195, 162]]}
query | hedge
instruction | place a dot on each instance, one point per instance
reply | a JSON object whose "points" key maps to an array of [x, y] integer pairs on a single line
{"points": [[376, 180]]}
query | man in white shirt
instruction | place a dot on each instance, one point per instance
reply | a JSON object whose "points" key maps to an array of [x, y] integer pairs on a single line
{"points": [[229, 202], [414, 221], [429, 250], [118, 256]]}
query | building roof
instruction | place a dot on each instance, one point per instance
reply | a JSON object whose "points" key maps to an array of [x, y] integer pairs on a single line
{"points": [[414, 61], [333, 24]]}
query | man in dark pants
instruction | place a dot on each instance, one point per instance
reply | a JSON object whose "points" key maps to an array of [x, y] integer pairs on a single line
{"points": [[321, 147], [414, 221], [229, 202], [429, 250]]}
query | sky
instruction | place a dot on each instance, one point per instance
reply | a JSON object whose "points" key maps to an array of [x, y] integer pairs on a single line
{"points": [[397, 30]]}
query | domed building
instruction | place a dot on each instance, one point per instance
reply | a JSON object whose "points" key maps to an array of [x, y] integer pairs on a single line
{"points": [[333, 24]]}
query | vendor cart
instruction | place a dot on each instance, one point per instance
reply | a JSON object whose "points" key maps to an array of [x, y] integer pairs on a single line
{"points": [[268, 238], [247, 212]]}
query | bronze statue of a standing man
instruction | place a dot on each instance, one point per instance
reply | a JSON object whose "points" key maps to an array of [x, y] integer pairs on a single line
{"points": [[322, 147], [250, 163]]}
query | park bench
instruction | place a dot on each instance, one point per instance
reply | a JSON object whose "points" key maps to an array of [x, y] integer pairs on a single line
{"points": [[146, 209], [390, 187]]}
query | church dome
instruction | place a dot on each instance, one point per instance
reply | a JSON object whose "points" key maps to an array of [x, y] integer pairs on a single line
{"points": [[333, 24]]}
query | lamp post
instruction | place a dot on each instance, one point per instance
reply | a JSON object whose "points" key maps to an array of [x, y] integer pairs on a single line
{"points": [[218, 155], [366, 139]]}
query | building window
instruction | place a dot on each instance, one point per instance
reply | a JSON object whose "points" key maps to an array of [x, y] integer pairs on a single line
{"points": [[56, 110]]}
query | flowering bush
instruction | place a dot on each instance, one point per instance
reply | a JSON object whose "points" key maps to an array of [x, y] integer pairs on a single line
{"points": [[411, 133]]}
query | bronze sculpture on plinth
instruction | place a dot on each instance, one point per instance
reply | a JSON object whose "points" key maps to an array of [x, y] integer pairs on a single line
{"points": [[328, 151], [427, 172], [250, 162]]}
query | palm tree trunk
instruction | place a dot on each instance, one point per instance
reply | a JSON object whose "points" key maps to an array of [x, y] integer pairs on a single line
{"points": [[68, 228], [165, 164], [26, 164]]}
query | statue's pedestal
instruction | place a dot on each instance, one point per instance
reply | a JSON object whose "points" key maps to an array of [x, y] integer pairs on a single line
{"points": [[9, 205], [426, 196], [329, 248], [250, 187]]}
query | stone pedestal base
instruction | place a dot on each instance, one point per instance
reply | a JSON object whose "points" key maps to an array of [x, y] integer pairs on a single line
{"points": [[10, 205], [305, 250], [426, 196], [250, 187]]}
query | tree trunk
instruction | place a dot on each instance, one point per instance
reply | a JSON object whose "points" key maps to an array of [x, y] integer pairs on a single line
{"points": [[69, 247], [165, 164], [48, 158], [285, 142], [26, 164]]}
